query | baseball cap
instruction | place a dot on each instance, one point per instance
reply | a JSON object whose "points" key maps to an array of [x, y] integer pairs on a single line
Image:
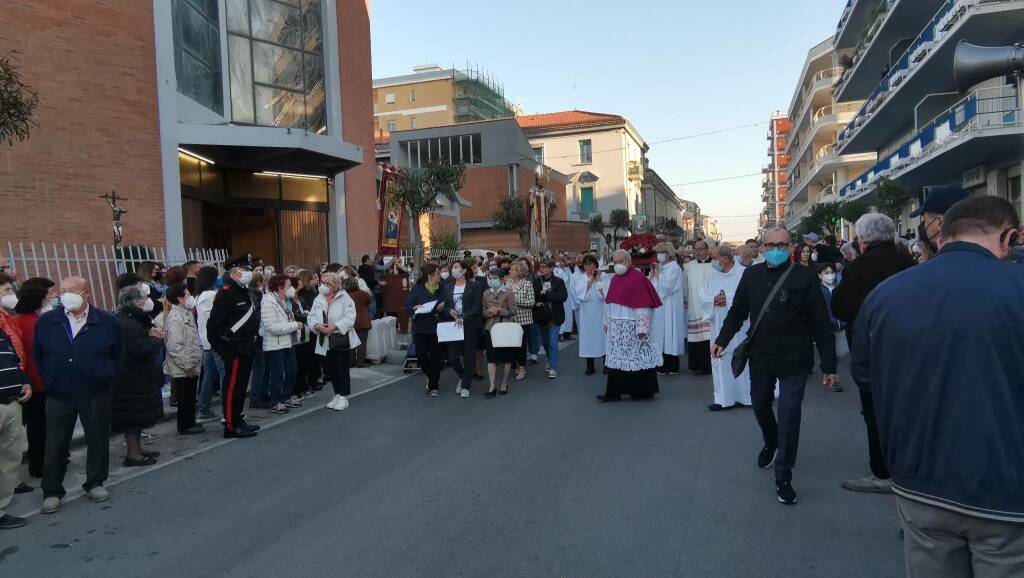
{"points": [[812, 236], [938, 200]]}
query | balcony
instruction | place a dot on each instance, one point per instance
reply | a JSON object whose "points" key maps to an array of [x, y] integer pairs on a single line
{"points": [[823, 80], [926, 68], [851, 22], [824, 118], [985, 125], [898, 20], [635, 171]]}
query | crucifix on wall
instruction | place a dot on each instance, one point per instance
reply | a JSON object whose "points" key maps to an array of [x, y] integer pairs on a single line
{"points": [[117, 211]]}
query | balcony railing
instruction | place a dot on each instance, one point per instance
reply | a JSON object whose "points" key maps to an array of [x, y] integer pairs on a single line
{"points": [[636, 172], [941, 25], [834, 74], [986, 108]]}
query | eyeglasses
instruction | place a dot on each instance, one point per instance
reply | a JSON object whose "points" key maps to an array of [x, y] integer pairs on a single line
{"points": [[771, 246]]}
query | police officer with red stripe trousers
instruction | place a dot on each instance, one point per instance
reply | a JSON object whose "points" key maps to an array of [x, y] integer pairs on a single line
{"points": [[233, 329]]}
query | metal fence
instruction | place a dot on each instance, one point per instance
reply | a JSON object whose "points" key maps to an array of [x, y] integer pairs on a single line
{"points": [[98, 264]]}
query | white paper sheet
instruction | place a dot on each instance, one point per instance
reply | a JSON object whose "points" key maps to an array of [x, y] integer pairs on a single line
{"points": [[450, 332], [426, 308]]}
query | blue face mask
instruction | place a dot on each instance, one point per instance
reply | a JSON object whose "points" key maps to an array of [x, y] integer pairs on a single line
{"points": [[776, 257], [494, 283], [716, 266]]}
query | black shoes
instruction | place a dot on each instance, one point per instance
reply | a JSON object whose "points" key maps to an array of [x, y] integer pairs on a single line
{"points": [[250, 427], [715, 407], [590, 371], [491, 394], [766, 458], [787, 495], [145, 461], [23, 488], [194, 430], [609, 398], [239, 433], [9, 522]]}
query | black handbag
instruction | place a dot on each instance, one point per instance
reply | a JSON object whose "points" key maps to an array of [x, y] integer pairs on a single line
{"points": [[335, 341], [741, 355]]}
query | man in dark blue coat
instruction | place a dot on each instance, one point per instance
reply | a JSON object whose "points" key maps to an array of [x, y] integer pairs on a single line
{"points": [[77, 349], [939, 348]]}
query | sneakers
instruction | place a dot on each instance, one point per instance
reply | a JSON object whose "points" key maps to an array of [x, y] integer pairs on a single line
{"points": [[869, 484], [766, 458], [9, 522], [435, 393], [458, 388], [333, 402], [98, 494], [338, 403], [309, 395], [279, 409], [206, 417], [552, 374], [787, 495], [521, 373], [51, 505], [532, 359], [464, 394], [294, 402]]}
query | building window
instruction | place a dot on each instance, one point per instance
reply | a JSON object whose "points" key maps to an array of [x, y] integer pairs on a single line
{"points": [[389, 98], [412, 122], [587, 200], [458, 149], [412, 95], [586, 152], [275, 56], [538, 155], [392, 126], [513, 180], [197, 52]]}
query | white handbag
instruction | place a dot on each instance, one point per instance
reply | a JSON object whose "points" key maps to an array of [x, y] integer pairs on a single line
{"points": [[506, 335]]}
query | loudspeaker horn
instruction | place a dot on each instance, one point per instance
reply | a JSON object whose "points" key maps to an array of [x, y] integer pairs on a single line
{"points": [[975, 64]]}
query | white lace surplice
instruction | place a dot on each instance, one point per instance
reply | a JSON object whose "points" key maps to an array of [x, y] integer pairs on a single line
{"points": [[627, 350]]}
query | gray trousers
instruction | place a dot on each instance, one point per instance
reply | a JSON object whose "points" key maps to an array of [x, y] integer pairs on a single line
{"points": [[940, 543], [61, 415], [13, 443]]}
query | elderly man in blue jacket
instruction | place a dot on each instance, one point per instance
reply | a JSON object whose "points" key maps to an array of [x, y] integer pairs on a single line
{"points": [[939, 348], [77, 349]]}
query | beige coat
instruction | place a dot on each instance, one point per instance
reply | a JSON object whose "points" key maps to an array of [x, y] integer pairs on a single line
{"points": [[181, 338], [504, 301]]}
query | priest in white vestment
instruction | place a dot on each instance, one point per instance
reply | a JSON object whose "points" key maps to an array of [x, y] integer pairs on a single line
{"points": [[589, 290], [717, 297], [564, 272], [670, 319], [698, 331]]}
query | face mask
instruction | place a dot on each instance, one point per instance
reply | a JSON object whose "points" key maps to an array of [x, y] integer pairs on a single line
{"points": [[717, 266], [246, 278], [445, 275], [344, 275], [72, 301], [457, 273], [218, 283], [776, 257], [324, 290], [147, 306], [494, 284], [828, 278], [54, 303], [922, 233], [190, 303], [662, 257], [290, 293], [9, 301], [620, 269], [144, 287]]}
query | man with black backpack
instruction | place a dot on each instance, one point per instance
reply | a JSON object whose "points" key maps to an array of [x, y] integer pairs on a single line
{"points": [[788, 318]]}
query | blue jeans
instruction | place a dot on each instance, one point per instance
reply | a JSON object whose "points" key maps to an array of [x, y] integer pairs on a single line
{"points": [[213, 376], [534, 339], [549, 335], [280, 366], [259, 381]]}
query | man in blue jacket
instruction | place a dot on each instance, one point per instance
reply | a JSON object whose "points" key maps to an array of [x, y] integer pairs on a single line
{"points": [[938, 347], [77, 349]]}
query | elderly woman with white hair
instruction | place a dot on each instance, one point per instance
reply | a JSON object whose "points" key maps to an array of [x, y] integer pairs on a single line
{"points": [[633, 355], [669, 320], [332, 319]]}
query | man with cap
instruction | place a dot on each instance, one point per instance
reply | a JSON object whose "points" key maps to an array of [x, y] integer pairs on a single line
{"points": [[232, 330], [549, 313], [937, 201]]}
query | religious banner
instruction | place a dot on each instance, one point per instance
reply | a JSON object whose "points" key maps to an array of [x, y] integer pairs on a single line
{"points": [[389, 214]]}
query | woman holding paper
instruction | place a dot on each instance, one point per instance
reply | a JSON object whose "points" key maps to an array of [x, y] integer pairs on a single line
{"points": [[463, 305], [424, 306]]}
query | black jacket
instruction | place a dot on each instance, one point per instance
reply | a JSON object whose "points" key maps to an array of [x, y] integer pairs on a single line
{"points": [[423, 324], [938, 347], [828, 254], [137, 403], [796, 320], [11, 375], [367, 274], [472, 303], [230, 306], [878, 263], [549, 307]]}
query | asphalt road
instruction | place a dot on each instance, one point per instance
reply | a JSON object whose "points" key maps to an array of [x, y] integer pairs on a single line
{"points": [[542, 482]]}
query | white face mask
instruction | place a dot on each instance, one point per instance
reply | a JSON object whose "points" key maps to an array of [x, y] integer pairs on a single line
{"points": [[190, 303], [457, 273], [246, 277], [9, 301], [324, 290], [620, 269], [344, 275], [147, 306], [290, 293], [72, 301], [662, 257], [828, 278], [144, 287], [445, 274]]}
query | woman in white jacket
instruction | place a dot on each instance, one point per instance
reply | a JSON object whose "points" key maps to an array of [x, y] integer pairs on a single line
{"points": [[280, 332], [334, 312]]}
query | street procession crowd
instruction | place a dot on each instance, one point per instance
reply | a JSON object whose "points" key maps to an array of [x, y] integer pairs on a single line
{"points": [[928, 324]]}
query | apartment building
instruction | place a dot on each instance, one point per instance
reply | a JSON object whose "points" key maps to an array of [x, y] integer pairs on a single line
{"points": [[663, 210], [813, 168], [925, 127], [775, 184], [603, 155], [226, 124], [435, 96]]}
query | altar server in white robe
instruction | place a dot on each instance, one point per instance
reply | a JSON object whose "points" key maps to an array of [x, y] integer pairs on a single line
{"points": [[577, 274], [589, 290], [563, 272], [698, 328], [670, 319], [717, 297]]}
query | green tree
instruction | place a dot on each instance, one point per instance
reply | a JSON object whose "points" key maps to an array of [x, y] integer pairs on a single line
{"points": [[855, 209], [511, 216], [889, 198], [618, 219], [445, 239], [419, 191], [597, 224], [823, 218], [17, 103]]}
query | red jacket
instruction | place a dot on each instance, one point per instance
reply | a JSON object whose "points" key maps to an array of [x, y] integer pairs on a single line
{"points": [[10, 327], [27, 325]]}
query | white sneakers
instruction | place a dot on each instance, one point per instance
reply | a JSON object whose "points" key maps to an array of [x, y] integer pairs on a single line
{"points": [[464, 393], [458, 388], [338, 403], [51, 505]]}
